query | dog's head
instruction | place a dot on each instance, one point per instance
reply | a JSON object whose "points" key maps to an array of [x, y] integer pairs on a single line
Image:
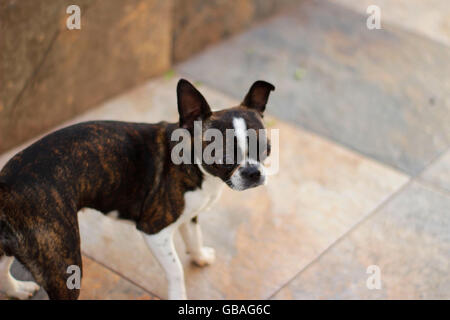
{"points": [[233, 141]]}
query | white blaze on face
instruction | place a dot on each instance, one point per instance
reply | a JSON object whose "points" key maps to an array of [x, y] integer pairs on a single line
{"points": [[240, 129]]}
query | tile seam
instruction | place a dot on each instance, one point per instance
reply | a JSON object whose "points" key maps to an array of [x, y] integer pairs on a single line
{"points": [[120, 275], [370, 214]]}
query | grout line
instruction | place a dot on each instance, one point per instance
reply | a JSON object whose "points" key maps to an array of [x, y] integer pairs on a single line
{"points": [[344, 235], [433, 186], [121, 275], [433, 161], [418, 177]]}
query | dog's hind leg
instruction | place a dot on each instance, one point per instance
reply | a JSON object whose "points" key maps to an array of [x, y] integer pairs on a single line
{"points": [[192, 235], [54, 258], [58, 264], [62, 277], [59, 271], [11, 286]]}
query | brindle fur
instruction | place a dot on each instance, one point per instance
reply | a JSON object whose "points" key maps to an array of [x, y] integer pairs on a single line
{"points": [[103, 165]]}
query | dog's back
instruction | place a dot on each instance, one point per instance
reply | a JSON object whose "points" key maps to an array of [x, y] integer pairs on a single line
{"points": [[92, 164], [105, 165]]}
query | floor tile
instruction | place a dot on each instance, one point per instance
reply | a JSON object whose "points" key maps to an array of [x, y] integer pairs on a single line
{"points": [[408, 239], [380, 92], [438, 172], [263, 237], [98, 283]]}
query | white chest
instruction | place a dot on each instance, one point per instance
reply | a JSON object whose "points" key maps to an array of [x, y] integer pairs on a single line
{"points": [[201, 199]]}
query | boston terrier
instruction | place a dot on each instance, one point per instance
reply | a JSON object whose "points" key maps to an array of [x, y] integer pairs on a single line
{"points": [[126, 168]]}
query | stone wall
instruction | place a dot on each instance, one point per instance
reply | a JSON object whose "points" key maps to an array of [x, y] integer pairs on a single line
{"points": [[198, 23], [48, 73]]}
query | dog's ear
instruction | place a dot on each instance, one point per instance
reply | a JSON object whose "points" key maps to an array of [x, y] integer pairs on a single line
{"points": [[258, 95], [192, 105]]}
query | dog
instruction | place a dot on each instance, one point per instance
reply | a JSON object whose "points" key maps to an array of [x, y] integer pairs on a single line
{"points": [[126, 168]]}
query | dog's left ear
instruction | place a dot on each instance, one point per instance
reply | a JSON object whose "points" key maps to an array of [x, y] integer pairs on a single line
{"points": [[192, 105], [258, 95]]}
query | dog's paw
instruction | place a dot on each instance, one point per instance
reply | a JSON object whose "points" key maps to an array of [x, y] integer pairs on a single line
{"points": [[22, 290], [206, 256]]}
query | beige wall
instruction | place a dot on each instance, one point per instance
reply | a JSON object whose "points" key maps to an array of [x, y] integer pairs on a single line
{"points": [[48, 73], [197, 23]]}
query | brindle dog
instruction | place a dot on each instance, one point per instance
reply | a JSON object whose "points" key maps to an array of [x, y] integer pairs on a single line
{"points": [[111, 165]]}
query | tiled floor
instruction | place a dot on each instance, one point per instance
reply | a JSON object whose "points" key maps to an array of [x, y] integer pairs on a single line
{"points": [[364, 166], [408, 239]]}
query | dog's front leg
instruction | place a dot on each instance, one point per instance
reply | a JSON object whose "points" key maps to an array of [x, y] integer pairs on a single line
{"points": [[161, 244], [192, 236]]}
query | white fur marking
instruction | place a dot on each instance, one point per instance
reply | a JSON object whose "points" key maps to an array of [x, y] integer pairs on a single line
{"points": [[114, 215], [193, 240], [240, 130], [14, 288], [162, 247], [237, 181]]}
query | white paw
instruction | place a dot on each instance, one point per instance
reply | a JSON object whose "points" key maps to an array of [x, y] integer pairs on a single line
{"points": [[206, 256], [177, 295], [22, 289]]}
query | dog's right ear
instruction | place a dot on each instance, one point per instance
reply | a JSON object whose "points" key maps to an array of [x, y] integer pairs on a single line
{"points": [[192, 105], [258, 95]]}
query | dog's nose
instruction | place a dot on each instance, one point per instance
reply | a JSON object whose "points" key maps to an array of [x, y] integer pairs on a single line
{"points": [[251, 173]]}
